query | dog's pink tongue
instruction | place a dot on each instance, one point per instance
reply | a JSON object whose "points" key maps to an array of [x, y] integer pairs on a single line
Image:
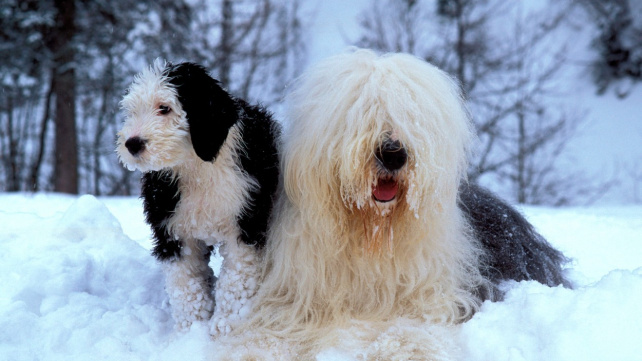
{"points": [[385, 190]]}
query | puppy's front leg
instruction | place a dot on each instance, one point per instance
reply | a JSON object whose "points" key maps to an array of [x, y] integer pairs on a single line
{"points": [[236, 286], [189, 284]]}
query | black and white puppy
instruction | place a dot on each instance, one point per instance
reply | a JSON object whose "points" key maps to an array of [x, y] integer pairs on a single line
{"points": [[210, 172]]}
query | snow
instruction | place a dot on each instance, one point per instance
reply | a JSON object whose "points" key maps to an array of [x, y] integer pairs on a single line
{"points": [[77, 282], [594, 322]]}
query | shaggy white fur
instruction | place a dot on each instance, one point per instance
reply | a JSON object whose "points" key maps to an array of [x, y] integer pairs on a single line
{"points": [[335, 253], [212, 195]]}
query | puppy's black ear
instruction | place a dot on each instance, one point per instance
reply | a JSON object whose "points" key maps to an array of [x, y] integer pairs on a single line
{"points": [[210, 110]]}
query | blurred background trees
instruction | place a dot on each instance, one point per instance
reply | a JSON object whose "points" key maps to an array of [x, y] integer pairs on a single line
{"points": [[618, 43], [65, 65]]}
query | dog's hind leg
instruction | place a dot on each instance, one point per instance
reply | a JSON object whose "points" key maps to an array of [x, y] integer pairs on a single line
{"points": [[189, 284], [514, 250]]}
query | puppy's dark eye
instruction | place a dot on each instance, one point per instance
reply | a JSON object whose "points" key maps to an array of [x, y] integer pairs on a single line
{"points": [[164, 109]]}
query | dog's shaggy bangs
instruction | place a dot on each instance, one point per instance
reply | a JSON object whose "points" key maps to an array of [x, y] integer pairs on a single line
{"points": [[149, 84], [317, 273], [374, 96]]}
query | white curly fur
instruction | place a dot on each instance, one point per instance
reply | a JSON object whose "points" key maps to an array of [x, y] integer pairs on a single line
{"points": [[212, 195], [334, 254]]}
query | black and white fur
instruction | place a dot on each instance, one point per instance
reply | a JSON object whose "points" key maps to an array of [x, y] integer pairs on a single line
{"points": [[210, 172]]}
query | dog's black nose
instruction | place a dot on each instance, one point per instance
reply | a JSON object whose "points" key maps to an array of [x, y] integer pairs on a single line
{"points": [[135, 145], [392, 155]]}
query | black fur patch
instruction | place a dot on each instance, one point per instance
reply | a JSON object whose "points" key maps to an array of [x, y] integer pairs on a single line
{"points": [[260, 160], [160, 195], [211, 111], [514, 249]]}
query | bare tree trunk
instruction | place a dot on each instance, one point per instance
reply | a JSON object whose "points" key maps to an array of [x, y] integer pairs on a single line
{"points": [[521, 156], [460, 45], [225, 46], [42, 139], [66, 145], [255, 58], [12, 176], [101, 127]]}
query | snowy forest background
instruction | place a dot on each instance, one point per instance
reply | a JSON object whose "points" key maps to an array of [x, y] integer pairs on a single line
{"points": [[532, 72]]}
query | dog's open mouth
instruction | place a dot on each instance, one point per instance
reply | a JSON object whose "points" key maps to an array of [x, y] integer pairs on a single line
{"points": [[385, 190]]}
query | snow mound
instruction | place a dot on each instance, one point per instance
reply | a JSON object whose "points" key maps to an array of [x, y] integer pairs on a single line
{"points": [[595, 322], [76, 288]]}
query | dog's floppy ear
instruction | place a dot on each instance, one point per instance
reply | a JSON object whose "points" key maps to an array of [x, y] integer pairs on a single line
{"points": [[209, 109]]}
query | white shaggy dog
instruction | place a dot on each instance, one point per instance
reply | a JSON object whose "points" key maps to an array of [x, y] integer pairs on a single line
{"points": [[370, 229], [210, 172], [377, 227]]}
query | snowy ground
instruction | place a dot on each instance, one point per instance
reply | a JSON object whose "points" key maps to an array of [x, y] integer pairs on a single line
{"points": [[77, 283]]}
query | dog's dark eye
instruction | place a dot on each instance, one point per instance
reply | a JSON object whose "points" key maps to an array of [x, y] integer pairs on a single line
{"points": [[164, 109]]}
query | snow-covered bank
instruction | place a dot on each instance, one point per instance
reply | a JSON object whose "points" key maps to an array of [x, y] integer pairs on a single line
{"points": [[600, 321], [77, 283]]}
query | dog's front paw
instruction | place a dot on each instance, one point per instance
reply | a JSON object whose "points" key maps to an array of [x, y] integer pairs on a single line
{"points": [[235, 287], [191, 305], [232, 307], [219, 326], [191, 300]]}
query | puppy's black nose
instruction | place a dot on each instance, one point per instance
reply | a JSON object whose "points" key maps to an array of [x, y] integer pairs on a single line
{"points": [[135, 145], [392, 155]]}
